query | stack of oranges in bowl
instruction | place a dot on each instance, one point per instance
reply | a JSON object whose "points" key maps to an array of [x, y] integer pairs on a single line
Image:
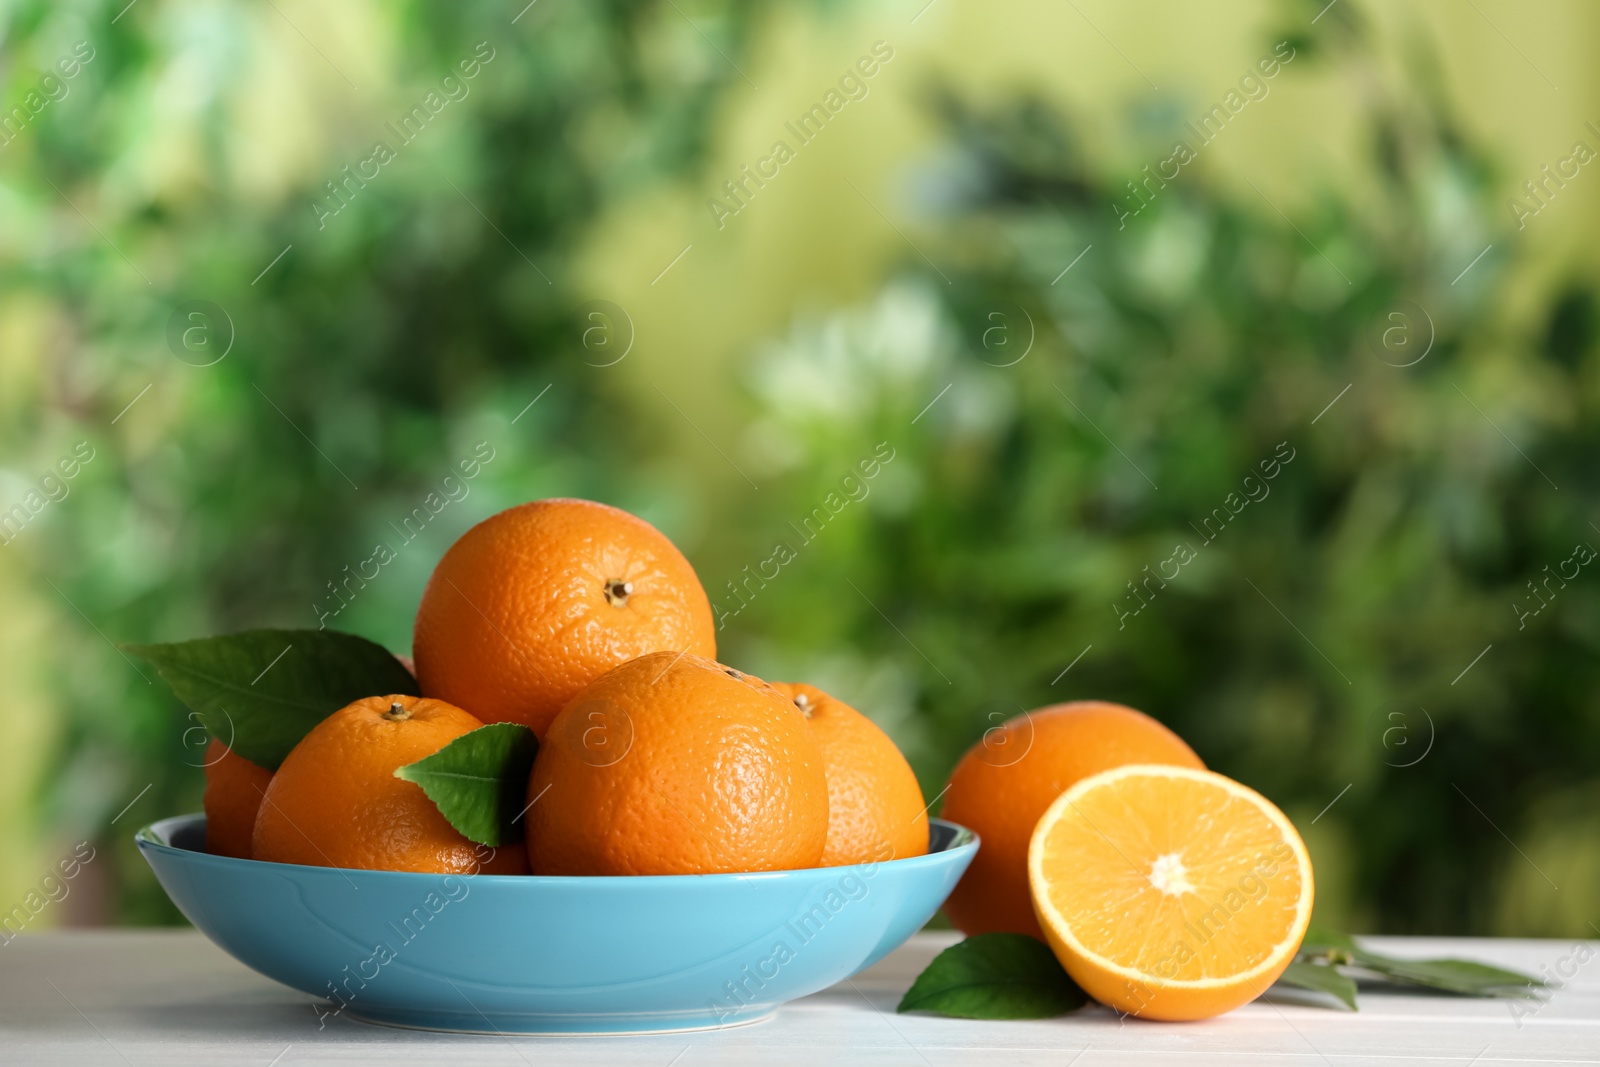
{"points": [[586, 625], [1165, 890]]}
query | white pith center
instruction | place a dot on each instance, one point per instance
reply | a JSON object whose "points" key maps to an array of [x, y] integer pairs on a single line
{"points": [[1169, 875]]}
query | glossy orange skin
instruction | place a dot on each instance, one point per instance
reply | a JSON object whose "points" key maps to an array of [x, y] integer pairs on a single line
{"points": [[875, 806], [1007, 781], [335, 801], [234, 787], [674, 764], [516, 619]]}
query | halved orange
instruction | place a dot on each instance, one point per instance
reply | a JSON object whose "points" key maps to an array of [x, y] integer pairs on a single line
{"points": [[1169, 892]]}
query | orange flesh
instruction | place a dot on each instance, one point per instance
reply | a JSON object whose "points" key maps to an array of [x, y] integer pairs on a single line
{"points": [[1173, 878], [1169, 893]]}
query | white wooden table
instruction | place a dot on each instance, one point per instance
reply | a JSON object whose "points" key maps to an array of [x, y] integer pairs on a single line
{"points": [[170, 997]]}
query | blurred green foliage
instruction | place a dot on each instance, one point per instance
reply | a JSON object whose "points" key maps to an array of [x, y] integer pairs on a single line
{"points": [[1314, 639], [395, 335], [1040, 436]]}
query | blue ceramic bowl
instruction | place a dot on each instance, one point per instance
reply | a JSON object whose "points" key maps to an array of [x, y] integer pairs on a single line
{"points": [[506, 954]]}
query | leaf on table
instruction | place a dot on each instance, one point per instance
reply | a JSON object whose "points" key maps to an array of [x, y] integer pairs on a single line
{"points": [[260, 691], [479, 781], [1326, 949], [1321, 978], [995, 976], [1466, 977]]}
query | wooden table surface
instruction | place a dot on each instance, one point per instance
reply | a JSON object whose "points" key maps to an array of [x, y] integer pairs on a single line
{"points": [[170, 997]]}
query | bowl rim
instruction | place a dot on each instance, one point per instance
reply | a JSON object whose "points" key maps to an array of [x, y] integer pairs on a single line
{"points": [[155, 837]]}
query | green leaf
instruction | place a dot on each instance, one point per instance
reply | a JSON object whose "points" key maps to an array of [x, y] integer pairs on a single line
{"points": [[1465, 977], [1325, 949], [1321, 978], [479, 781], [995, 976], [261, 691]]}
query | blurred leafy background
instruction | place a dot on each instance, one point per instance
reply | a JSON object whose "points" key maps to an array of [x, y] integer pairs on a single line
{"points": [[944, 274]]}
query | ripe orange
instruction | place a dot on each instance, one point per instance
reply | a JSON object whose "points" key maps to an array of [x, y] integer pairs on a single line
{"points": [[1007, 780], [673, 764], [1168, 892], [875, 806], [234, 787], [536, 602], [335, 801]]}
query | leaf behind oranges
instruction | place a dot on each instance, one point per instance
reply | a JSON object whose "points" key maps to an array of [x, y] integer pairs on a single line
{"points": [[260, 691]]}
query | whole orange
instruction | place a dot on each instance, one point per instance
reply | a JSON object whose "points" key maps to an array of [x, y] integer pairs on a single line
{"points": [[335, 801], [1008, 779], [234, 787], [674, 764], [875, 806], [534, 603]]}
